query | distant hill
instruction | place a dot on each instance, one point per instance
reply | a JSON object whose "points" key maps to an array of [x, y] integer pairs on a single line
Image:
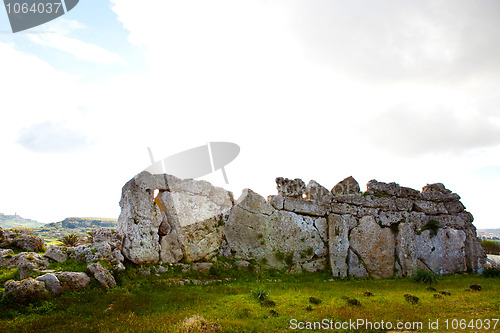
{"points": [[490, 231], [73, 225], [16, 221]]}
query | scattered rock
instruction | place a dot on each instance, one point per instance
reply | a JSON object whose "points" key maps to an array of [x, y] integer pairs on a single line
{"points": [[26, 290], [52, 283], [56, 253], [73, 281], [29, 242], [102, 275], [28, 263]]}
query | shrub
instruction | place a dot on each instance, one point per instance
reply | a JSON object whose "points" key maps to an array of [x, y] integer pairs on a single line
{"points": [[353, 302], [70, 240], [411, 299], [491, 272], [314, 300], [423, 276], [490, 247], [260, 294]]}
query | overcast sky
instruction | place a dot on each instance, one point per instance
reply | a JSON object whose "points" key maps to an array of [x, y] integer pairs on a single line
{"points": [[404, 91]]}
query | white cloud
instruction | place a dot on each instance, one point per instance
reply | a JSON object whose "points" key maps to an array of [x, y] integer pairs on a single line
{"points": [[412, 129], [56, 37], [52, 138]]}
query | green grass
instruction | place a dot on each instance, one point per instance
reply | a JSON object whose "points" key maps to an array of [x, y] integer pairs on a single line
{"points": [[155, 304]]}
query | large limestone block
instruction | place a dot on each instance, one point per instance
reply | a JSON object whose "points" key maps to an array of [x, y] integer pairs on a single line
{"points": [[355, 266], [290, 187], [376, 247], [196, 213], [406, 249], [346, 186], [475, 257], [429, 207], [276, 239], [171, 250], [308, 207], [139, 220], [443, 253], [380, 188], [315, 191], [338, 242]]}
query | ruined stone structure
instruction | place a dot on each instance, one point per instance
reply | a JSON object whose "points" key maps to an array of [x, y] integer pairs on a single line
{"points": [[387, 231]]}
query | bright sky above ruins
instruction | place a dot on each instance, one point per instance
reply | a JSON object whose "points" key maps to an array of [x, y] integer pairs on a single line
{"points": [[404, 91]]}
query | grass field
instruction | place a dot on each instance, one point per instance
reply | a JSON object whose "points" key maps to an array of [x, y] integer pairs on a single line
{"points": [[159, 304]]}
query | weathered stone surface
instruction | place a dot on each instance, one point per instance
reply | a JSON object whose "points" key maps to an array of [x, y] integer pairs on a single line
{"points": [[140, 219], [347, 186], [438, 193], [165, 227], [406, 192], [380, 233], [454, 207], [279, 237], [26, 290], [171, 251], [277, 201], [308, 207], [28, 263], [56, 253], [436, 187], [52, 283], [475, 256], [225, 250], [355, 267], [342, 208], [338, 242], [375, 245], [317, 265], [429, 207], [196, 216], [73, 281], [29, 242], [389, 218], [406, 249], [102, 275], [380, 188], [294, 188], [314, 191], [443, 253], [82, 253]]}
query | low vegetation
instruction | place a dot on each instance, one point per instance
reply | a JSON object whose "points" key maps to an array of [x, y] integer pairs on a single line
{"points": [[490, 247], [245, 301]]}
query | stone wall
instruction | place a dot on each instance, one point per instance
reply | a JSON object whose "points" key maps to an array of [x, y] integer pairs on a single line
{"points": [[386, 231]]}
